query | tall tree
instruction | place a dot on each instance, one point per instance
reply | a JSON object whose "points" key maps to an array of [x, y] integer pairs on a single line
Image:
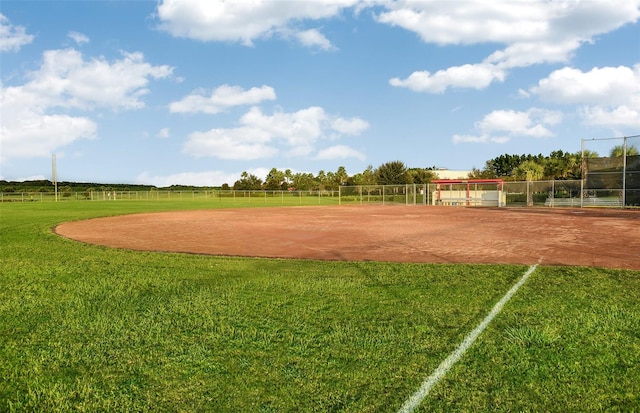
{"points": [[392, 173], [529, 170], [421, 175], [618, 151], [303, 181], [366, 177], [248, 182], [561, 165], [321, 180], [288, 177], [341, 175], [274, 180]]}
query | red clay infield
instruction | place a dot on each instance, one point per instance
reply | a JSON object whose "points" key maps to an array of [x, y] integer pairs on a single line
{"points": [[586, 237]]}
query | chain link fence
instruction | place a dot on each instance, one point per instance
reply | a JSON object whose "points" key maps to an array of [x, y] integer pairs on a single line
{"points": [[613, 179], [601, 188]]}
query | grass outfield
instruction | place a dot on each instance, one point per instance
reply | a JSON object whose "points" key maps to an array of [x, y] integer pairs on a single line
{"points": [[90, 328]]}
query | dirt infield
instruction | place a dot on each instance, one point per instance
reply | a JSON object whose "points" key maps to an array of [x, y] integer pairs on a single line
{"points": [[587, 237]]}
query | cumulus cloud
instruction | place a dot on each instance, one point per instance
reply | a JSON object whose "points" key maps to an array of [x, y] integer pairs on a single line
{"points": [[69, 80], [12, 38], [500, 126], [37, 135], [477, 76], [221, 99], [242, 21], [38, 116], [532, 32], [261, 135], [608, 96]]}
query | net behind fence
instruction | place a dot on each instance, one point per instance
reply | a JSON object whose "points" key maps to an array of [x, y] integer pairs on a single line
{"points": [[612, 180]]}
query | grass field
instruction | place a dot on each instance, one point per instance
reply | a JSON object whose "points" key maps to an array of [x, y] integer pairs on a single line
{"points": [[87, 328]]}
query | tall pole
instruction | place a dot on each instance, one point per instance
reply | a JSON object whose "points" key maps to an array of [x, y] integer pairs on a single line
{"points": [[582, 173], [624, 171], [54, 175]]}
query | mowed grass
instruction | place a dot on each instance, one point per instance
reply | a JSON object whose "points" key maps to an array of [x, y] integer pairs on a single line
{"points": [[87, 328]]}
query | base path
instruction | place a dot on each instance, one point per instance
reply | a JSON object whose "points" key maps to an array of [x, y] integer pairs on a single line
{"points": [[550, 236]]}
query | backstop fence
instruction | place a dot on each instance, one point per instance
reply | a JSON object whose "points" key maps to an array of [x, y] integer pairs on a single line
{"points": [[614, 179]]}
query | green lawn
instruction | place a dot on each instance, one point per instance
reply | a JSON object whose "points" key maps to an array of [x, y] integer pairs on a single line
{"points": [[87, 328]]}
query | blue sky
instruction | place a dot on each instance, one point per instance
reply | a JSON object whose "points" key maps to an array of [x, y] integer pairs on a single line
{"points": [[196, 92]]}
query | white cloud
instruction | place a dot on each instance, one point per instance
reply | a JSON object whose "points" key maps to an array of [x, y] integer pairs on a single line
{"points": [[37, 135], [607, 85], [261, 135], [35, 116], [208, 178], [609, 96], [313, 38], [477, 76], [79, 38], [221, 99], [619, 117], [533, 32], [239, 143], [480, 139], [12, 38], [66, 79], [246, 21], [354, 126], [340, 152], [500, 126]]}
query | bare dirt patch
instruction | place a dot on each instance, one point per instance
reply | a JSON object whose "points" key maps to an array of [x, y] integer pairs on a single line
{"points": [[586, 237]]}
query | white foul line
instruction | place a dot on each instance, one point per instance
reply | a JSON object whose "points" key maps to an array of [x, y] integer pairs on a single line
{"points": [[417, 397]]}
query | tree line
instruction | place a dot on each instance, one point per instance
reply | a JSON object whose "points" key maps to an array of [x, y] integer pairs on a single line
{"points": [[558, 165]]}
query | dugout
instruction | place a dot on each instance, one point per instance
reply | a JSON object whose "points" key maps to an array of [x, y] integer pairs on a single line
{"points": [[469, 192]]}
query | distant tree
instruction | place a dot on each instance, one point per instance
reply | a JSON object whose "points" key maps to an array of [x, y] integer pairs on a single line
{"points": [[392, 173], [529, 170], [225, 187], [562, 165], [486, 173], [288, 177], [341, 176], [303, 181], [589, 154], [421, 175], [247, 182], [367, 177], [322, 180], [618, 151], [501, 166], [275, 180]]}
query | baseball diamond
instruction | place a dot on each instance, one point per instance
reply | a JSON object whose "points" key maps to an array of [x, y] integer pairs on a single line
{"points": [[582, 237]]}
